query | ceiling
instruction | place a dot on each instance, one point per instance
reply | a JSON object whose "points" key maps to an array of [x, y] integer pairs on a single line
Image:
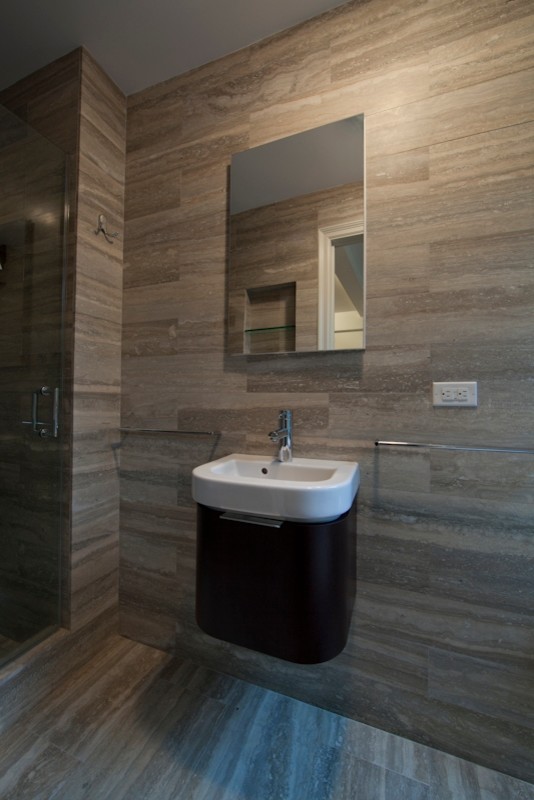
{"points": [[140, 42]]}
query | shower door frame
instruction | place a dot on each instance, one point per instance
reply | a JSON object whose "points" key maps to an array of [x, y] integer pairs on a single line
{"points": [[43, 436]]}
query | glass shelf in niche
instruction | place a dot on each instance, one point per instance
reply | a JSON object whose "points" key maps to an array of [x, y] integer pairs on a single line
{"points": [[270, 340], [272, 328]]}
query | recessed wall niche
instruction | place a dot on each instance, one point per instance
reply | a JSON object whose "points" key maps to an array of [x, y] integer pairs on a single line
{"points": [[270, 319]]}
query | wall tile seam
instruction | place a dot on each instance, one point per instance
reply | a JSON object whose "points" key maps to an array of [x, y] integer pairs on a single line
{"points": [[354, 84]]}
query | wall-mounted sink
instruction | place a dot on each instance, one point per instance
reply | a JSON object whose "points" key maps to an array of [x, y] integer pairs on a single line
{"points": [[302, 490]]}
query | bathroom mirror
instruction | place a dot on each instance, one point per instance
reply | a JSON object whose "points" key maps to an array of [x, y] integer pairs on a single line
{"points": [[297, 264]]}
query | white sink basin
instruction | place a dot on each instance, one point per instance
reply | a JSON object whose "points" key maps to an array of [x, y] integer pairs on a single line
{"points": [[302, 490]]}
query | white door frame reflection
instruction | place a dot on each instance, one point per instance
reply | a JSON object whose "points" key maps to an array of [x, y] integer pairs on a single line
{"points": [[341, 303]]}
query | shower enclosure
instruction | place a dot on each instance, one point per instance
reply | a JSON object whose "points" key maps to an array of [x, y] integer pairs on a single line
{"points": [[32, 258]]}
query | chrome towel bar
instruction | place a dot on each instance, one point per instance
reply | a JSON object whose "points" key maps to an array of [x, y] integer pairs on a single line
{"points": [[456, 447]]}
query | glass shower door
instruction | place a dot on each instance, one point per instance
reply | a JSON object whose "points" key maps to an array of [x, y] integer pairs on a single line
{"points": [[32, 214]]}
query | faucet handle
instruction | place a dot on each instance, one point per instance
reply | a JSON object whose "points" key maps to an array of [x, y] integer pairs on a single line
{"points": [[284, 435]]}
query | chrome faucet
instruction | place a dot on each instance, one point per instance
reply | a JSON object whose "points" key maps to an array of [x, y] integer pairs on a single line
{"points": [[284, 436]]}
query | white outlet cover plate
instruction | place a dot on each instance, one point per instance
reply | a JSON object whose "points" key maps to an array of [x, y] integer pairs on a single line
{"points": [[455, 394]]}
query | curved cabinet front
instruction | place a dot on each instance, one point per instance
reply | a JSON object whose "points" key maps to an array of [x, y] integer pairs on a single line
{"points": [[286, 591]]}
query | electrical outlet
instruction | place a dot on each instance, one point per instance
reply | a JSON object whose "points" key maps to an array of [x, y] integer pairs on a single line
{"points": [[455, 394]]}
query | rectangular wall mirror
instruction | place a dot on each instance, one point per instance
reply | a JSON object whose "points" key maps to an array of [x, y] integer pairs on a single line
{"points": [[297, 255]]}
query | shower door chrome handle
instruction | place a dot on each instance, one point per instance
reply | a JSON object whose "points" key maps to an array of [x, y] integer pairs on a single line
{"points": [[55, 414], [34, 421], [44, 432]]}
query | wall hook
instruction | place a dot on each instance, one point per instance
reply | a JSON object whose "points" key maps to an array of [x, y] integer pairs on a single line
{"points": [[102, 223]]}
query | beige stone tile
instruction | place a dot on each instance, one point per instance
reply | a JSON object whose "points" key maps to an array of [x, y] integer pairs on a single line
{"points": [[153, 184], [40, 769], [103, 104], [450, 776], [250, 412], [476, 55], [456, 19], [155, 337], [147, 626], [443, 621], [459, 113], [300, 374], [98, 412], [379, 38], [97, 361], [49, 100], [157, 112], [369, 95], [150, 391], [151, 303], [493, 476], [469, 196], [498, 260], [292, 60], [164, 262]]}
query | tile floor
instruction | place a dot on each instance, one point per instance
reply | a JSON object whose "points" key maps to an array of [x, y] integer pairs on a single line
{"points": [[134, 723]]}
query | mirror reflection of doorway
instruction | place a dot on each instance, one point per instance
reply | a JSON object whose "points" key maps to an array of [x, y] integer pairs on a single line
{"points": [[341, 287], [348, 292]]}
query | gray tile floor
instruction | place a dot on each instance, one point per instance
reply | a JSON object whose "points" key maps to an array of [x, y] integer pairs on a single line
{"points": [[134, 723]]}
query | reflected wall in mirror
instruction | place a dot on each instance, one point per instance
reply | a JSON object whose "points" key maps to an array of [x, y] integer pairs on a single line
{"points": [[297, 274]]}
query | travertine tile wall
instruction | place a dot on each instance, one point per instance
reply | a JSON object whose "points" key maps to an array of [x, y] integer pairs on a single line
{"points": [[441, 642], [73, 103], [97, 350]]}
